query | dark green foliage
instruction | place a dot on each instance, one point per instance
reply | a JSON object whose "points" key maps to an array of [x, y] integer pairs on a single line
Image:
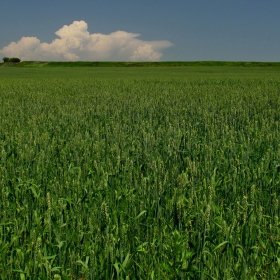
{"points": [[13, 59]]}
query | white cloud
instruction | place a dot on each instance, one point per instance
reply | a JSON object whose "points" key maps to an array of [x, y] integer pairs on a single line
{"points": [[146, 52], [76, 43]]}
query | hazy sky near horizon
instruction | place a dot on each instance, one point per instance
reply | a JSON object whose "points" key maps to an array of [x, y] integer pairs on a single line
{"points": [[130, 30]]}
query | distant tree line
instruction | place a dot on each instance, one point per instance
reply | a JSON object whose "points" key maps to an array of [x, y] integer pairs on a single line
{"points": [[13, 59]]}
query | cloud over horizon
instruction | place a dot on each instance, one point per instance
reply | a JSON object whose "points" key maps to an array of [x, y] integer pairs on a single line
{"points": [[76, 43]]}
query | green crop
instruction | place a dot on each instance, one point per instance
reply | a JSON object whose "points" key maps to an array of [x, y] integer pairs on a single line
{"points": [[139, 174]]}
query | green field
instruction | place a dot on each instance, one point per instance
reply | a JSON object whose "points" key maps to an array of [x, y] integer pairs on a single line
{"points": [[139, 64], [140, 172]]}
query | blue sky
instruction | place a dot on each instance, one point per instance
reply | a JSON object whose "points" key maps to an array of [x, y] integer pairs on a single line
{"points": [[232, 30]]}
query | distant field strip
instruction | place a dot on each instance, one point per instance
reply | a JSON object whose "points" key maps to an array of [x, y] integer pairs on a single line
{"points": [[140, 64], [139, 174]]}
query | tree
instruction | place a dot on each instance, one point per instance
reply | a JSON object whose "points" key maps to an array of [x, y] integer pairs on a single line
{"points": [[13, 59]]}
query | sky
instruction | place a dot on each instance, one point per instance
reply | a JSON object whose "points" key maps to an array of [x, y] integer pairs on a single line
{"points": [[146, 30]]}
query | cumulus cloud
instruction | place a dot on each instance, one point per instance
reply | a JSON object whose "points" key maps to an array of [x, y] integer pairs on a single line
{"points": [[76, 43]]}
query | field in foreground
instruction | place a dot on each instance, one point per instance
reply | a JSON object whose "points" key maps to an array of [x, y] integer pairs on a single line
{"points": [[139, 173]]}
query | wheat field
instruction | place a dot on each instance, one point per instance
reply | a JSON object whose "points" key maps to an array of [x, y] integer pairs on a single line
{"points": [[169, 173]]}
